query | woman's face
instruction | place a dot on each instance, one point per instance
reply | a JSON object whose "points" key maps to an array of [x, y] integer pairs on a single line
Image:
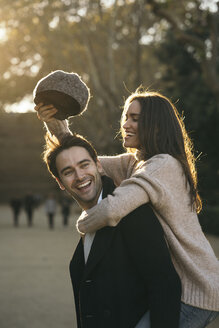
{"points": [[131, 138]]}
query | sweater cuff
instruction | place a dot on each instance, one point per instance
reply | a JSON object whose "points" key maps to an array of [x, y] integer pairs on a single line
{"points": [[58, 128]]}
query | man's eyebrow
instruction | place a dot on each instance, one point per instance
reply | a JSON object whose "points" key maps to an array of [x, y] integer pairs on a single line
{"points": [[65, 168], [84, 160], [79, 163]]}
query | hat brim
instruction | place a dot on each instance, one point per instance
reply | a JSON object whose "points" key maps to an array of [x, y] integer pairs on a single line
{"points": [[65, 104]]}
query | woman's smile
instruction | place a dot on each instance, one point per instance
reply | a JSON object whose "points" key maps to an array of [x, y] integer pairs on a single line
{"points": [[131, 138]]}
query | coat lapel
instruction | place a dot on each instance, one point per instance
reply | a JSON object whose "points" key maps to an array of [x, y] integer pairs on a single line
{"points": [[99, 247], [103, 237], [77, 264]]}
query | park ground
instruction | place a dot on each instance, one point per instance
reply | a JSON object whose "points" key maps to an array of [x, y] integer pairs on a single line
{"points": [[35, 287]]}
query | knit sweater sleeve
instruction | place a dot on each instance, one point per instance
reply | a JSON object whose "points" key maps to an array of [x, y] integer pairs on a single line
{"points": [[152, 182], [119, 167], [58, 128]]}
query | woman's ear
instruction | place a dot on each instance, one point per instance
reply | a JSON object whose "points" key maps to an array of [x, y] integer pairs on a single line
{"points": [[60, 184]]}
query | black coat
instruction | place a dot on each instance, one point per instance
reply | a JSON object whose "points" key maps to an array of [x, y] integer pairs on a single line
{"points": [[128, 272]]}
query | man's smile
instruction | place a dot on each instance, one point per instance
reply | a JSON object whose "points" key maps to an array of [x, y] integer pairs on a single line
{"points": [[84, 186]]}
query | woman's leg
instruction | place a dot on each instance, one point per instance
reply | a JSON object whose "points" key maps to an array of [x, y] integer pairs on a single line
{"points": [[193, 317], [145, 321], [190, 317]]}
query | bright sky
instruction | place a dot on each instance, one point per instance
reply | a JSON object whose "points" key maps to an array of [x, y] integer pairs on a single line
{"points": [[209, 4], [3, 34], [23, 106]]}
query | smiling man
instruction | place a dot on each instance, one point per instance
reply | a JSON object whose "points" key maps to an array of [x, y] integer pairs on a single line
{"points": [[79, 175], [122, 276]]}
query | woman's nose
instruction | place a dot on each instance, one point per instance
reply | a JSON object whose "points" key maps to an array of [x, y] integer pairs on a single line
{"points": [[126, 124]]}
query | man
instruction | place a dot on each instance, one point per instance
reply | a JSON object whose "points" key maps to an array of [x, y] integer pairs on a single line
{"points": [[122, 273], [29, 205]]}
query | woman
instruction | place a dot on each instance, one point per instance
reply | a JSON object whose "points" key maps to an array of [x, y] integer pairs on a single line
{"points": [[160, 169]]}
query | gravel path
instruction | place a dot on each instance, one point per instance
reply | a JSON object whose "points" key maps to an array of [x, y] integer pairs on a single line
{"points": [[35, 287]]}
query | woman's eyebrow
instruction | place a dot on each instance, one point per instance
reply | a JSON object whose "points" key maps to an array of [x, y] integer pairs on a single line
{"points": [[132, 115]]}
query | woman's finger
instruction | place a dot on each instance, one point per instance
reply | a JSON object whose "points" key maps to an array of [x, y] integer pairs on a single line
{"points": [[46, 114], [41, 106]]}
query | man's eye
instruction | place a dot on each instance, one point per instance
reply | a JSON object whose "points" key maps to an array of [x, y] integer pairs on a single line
{"points": [[67, 173], [83, 166]]}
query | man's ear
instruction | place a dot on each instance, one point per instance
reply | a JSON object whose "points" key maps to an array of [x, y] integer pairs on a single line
{"points": [[60, 184], [99, 167]]}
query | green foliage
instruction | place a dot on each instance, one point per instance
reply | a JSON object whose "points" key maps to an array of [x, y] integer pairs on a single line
{"points": [[184, 84]]}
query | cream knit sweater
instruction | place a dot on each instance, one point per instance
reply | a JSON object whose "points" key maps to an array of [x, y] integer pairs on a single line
{"points": [[161, 182]]}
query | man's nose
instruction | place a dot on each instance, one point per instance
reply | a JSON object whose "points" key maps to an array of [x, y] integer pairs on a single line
{"points": [[79, 174]]}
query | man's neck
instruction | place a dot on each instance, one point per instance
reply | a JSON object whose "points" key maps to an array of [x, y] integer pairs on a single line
{"points": [[87, 206]]}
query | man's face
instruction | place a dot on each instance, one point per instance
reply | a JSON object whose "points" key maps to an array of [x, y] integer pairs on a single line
{"points": [[79, 175]]}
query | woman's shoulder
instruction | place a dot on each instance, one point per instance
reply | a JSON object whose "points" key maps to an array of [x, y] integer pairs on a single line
{"points": [[165, 159], [161, 162]]}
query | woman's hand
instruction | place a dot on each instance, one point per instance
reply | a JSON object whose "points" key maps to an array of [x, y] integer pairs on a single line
{"points": [[88, 221], [45, 113], [56, 127], [80, 223]]}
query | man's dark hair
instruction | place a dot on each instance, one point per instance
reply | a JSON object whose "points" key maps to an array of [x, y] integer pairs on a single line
{"points": [[54, 147]]}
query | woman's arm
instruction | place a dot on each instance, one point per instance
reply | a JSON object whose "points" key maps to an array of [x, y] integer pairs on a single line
{"points": [[55, 127], [119, 167], [114, 207], [153, 182]]}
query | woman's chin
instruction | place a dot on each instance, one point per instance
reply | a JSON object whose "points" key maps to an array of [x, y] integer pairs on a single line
{"points": [[126, 144]]}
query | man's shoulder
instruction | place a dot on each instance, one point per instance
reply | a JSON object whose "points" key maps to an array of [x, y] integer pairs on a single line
{"points": [[108, 186], [140, 225], [144, 210]]}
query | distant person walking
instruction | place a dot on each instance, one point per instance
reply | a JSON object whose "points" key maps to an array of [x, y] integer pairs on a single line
{"points": [[65, 208], [29, 205], [50, 208], [16, 205]]}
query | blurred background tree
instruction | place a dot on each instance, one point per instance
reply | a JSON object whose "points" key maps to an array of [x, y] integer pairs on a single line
{"points": [[115, 45]]}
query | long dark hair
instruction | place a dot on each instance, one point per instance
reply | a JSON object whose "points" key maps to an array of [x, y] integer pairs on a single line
{"points": [[162, 131]]}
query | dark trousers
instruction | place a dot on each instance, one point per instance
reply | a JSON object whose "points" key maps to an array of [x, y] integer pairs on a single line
{"points": [[51, 220]]}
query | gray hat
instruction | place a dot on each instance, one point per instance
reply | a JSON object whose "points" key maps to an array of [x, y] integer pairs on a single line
{"points": [[66, 91]]}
